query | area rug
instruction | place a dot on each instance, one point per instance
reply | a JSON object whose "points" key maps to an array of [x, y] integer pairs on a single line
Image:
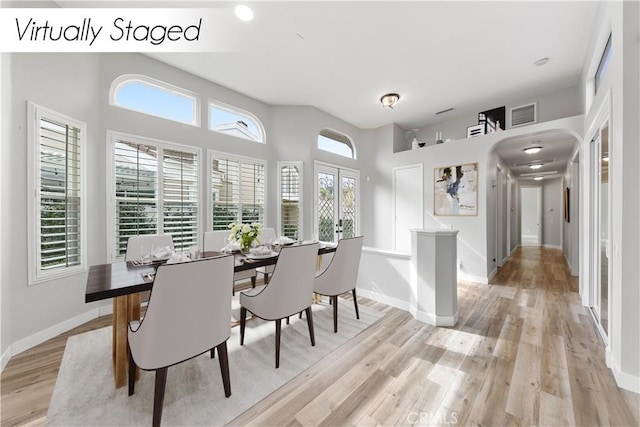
{"points": [[84, 394]]}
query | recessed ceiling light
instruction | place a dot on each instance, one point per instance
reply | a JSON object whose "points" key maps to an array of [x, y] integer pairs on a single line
{"points": [[540, 62], [532, 150], [535, 166], [538, 178], [244, 12]]}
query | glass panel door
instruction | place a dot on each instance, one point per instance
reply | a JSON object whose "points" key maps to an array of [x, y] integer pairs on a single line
{"points": [[336, 213]]}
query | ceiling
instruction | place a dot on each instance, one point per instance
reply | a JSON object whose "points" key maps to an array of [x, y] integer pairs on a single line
{"points": [[557, 149], [341, 57]]}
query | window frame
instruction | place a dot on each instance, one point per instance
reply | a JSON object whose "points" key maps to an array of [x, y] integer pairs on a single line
{"points": [[211, 154], [300, 166], [605, 59], [262, 137], [124, 79], [36, 274], [350, 144], [161, 146]]}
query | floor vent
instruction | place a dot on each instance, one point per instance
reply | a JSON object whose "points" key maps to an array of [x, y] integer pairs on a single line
{"points": [[524, 115]]}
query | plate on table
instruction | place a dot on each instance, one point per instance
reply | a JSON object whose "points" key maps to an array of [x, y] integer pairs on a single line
{"points": [[261, 255]]}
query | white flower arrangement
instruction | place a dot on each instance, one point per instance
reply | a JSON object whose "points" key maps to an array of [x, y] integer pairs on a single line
{"points": [[245, 234]]}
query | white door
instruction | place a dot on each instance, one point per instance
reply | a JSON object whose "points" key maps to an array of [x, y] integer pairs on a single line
{"points": [[530, 211], [337, 203], [408, 193]]}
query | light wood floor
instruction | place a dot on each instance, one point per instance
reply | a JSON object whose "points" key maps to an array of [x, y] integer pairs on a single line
{"points": [[524, 352]]}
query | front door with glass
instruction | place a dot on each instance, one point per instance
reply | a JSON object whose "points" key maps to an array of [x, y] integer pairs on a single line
{"points": [[336, 213]]}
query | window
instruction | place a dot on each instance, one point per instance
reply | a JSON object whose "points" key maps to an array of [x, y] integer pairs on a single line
{"points": [[235, 122], [290, 205], [237, 190], [56, 145], [155, 191], [336, 143], [603, 66], [156, 98]]}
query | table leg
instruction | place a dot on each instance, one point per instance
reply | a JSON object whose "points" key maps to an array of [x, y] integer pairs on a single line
{"points": [[125, 309]]}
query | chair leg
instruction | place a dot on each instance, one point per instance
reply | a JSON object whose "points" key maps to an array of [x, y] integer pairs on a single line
{"points": [[265, 279], [278, 330], [158, 397], [287, 320], [253, 281], [243, 322], [310, 325], [132, 372], [224, 368], [355, 302], [233, 289], [213, 352], [300, 315], [335, 313]]}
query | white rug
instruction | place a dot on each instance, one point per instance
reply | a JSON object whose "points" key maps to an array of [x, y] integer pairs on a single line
{"points": [[84, 394]]}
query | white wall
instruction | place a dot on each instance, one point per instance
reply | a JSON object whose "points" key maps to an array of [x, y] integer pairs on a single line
{"points": [[622, 19], [5, 191], [515, 215], [551, 106], [570, 230], [529, 209]]}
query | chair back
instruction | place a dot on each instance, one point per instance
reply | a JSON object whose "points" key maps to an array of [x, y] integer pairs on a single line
{"points": [[189, 312], [342, 272], [139, 246], [267, 234], [215, 240], [290, 289]]}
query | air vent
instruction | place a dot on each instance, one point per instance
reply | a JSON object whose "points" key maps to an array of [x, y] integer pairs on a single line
{"points": [[523, 115], [445, 111]]}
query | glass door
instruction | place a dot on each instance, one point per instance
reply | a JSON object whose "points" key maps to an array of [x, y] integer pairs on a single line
{"points": [[336, 213]]}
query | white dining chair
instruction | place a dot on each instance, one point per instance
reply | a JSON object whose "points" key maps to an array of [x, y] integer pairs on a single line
{"points": [[215, 241], [341, 275], [267, 235], [289, 291], [142, 245], [187, 316]]}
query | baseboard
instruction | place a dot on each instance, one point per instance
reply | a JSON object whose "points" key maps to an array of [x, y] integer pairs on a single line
{"points": [[552, 246], [434, 320], [624, 380], [471, 278], [53, 331], [492, 274], [376, 296], [513, 251], [6, 356], [566, 260], [504, 260]]}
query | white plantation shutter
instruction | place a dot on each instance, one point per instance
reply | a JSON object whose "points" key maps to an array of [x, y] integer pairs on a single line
{"points": [[136, 183], [237, 191], [290, 195], [180, 197], [56, 144], [156, 192]]}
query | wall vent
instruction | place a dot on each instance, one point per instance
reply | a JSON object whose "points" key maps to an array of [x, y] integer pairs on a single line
{"points": [[524, 115]]}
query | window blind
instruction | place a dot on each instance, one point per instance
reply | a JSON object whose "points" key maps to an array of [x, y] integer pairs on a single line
{"points": [[156, 192], [237, 191], [290, 201], [59, 195]]}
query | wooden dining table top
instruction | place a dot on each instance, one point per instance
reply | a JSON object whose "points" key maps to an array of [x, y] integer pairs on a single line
{"points": [[119, 278]]}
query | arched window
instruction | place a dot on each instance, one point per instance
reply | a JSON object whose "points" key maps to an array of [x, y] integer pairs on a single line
{"points": [[235, 122], [156, 98], [336, 143]]}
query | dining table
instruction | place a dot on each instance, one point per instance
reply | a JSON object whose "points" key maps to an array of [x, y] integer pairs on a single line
{"points": [[124, 281]]}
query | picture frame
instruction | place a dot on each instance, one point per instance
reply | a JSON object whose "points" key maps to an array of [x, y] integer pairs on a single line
{"points": [[567, 212], [493, 120], [455, 190], [475, 130]]}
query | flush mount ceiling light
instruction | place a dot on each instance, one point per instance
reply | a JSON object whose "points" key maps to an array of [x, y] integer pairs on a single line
{"points": [[535, 166], [605, 159], [540, 62], [532, 150], [244, 12], [538, 178], [389, 100]]}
